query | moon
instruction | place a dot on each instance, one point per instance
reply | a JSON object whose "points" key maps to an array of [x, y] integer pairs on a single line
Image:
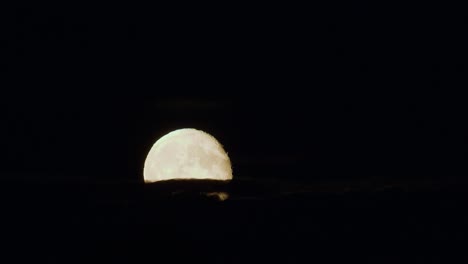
{"points": [[187, 154]]}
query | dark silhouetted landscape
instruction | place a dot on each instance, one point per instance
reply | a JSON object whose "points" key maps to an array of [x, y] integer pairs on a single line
{"points": [[260, 222]]}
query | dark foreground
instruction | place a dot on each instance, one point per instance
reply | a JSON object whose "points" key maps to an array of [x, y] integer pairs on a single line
{"points": [[260, 223]]}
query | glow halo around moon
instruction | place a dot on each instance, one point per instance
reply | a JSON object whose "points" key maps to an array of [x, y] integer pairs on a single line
{"points": [[187, 154]]}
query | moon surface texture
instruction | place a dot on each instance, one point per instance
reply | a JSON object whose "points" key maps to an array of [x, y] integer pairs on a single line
{"points": [[187, 154]]}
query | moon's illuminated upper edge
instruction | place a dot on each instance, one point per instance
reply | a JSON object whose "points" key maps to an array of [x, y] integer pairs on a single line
{"points": [[186, 133]]}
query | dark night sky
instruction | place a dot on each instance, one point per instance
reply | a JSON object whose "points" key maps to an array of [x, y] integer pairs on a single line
{"points": [[326, 92]]}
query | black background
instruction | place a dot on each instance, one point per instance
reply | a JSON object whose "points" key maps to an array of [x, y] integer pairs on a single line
{"points": [[351, 92], [319, 92]]}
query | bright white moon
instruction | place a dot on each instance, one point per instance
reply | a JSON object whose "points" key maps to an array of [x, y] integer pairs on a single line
{"points": [[187, 154]]}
